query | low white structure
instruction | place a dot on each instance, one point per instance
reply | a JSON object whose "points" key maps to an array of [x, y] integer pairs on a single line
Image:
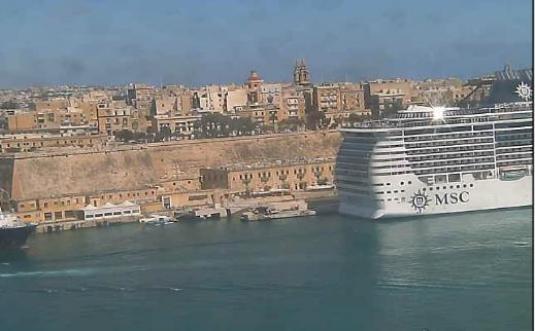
{"points": [[109, 210]]}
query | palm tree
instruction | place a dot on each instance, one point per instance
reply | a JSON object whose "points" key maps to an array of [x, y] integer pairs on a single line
{"points": [[246, 180], [284, 183], [318, 172], [301, 176]]}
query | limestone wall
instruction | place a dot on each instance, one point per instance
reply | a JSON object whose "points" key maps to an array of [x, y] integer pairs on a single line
{"points": [[45, 175]]}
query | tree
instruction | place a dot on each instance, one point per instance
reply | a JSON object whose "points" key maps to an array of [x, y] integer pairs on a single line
{"points": [[315, 119], [213, 125], [9, 105], [292, 124], [124, 135], [166, 132], [243, 126], [140, 136]]}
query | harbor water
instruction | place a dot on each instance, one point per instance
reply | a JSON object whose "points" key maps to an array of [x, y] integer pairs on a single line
{"points": [[458, 272]]}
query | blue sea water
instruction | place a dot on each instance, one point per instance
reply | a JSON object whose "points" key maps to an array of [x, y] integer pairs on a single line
{"points": [[458, 272]]}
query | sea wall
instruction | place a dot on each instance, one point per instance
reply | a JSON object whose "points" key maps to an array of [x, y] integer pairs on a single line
{"points": [[57, 173]]}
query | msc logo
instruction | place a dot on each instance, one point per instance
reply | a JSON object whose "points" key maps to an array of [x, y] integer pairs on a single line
{"points": [[419, 201], [451, 198]]}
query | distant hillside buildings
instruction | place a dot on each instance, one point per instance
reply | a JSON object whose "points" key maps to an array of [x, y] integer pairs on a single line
{"points": [[141, 112]]}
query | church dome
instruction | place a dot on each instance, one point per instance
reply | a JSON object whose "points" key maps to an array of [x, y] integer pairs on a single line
{"points": [[254, 76]]}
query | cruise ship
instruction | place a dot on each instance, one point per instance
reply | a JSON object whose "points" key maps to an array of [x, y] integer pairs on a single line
{"points": [[434, 160]]}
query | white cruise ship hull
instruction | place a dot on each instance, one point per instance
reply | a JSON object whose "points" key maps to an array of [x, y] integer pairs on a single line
{"points": [[472, 195]]}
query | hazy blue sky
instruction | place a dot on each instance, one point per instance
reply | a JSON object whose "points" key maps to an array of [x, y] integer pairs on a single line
{"points": [[197, 42]]}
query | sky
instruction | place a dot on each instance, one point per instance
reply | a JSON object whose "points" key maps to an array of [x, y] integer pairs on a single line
{"points": [[112, 42]]}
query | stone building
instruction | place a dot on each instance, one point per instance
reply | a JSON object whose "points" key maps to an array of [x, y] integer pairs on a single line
{"points": [[182, 126], [21, 121], [352, 98], [212, 98], [382, 96], [70, 207], [140, 96], [236, 99], [326, 98], [50, 105], [164, 105], [293, 103], [31, 142], [293, 176], [43, 119], [112, 119]]}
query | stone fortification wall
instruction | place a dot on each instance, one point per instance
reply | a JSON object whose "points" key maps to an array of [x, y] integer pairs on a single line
{"points": [[34, 176]]}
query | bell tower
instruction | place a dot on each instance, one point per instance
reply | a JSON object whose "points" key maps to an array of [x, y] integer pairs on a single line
{"points": [[254, 83], [301, 73]]}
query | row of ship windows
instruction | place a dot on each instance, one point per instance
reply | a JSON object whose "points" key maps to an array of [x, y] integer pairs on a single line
{"points": [[429, 171], [514, 150], [450, 143], [363, 156], [413, 132], [389, 192], [451, 149], [509, 137], [449, 136], [513, 143], [438, 130], [453, 169], [514, 156], [432, 171], [448, 156], [517, 162], [500, 141], [513, 125], [429, 164], [437, 188], [449, 121], [509, 147]]}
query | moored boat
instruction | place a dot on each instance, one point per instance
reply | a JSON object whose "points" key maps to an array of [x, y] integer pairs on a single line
{"points": [[13, 232], [278, 211], [157, 220]]}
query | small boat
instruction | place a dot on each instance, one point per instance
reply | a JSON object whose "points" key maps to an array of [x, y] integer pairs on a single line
{"points": [[205, 213], [266, 213], [157, 220]]}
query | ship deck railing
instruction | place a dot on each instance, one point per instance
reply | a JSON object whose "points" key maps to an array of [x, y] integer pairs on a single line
{"points": [[396, 124]]}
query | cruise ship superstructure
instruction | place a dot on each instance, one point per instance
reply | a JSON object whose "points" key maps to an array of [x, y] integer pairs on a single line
{"points": [[432, 160]]}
